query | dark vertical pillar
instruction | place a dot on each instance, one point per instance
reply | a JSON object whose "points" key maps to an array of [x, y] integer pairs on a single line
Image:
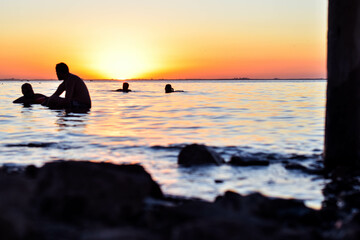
{"points": [[342, 126]]}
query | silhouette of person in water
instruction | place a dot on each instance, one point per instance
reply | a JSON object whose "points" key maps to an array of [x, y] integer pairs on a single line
{"points": [[76, 93], [29, 96], [169, 89], [125, 88]]}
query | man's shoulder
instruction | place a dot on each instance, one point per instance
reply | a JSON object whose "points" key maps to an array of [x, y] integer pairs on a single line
{"points": [[73, 76]]}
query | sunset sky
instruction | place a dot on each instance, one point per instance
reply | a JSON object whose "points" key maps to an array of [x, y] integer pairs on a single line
{"points": [[118, 39]]}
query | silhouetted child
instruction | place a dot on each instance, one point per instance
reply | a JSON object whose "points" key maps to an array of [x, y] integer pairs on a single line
{"points": [[125, 88], [169, 89], [29, 96]]}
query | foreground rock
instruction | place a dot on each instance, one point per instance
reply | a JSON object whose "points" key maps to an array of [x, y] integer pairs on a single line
{"points": [[85, 200], [60, 197], [107, 192], [196, 154], [239, 161]]}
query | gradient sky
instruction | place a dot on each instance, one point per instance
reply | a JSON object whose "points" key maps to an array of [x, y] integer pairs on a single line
{"points": [[120, 39]]}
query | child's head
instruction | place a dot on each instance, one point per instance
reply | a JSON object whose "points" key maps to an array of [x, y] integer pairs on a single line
{"points": [[27, 90]]}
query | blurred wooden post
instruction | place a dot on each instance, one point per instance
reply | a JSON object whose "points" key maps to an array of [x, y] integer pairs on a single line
{"points": [[342, 125]]}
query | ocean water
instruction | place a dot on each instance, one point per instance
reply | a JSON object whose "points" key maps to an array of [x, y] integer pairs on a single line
{"points": [[276, 120]]}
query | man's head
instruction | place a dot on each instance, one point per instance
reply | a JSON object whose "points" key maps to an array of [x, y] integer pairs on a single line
{"points": [[62, 70], [125, 86], [27, 90]]}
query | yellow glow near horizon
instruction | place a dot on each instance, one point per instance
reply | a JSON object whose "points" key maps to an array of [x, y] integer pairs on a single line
{"points": [[122, 59], [120, 65]]}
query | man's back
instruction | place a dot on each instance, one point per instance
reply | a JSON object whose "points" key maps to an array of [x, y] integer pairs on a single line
{"points": [[76, 90]]}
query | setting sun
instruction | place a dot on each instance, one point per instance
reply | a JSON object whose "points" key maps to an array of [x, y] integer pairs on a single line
{"points": [[120, 63]]}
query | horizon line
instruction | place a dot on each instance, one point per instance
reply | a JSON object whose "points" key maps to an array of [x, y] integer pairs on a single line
{"points": [[162, 79]]}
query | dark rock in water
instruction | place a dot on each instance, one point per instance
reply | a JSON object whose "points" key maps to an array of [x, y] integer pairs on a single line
{"points": [[72, 191], [196, 154], [295, 166], [239, 161], [218, 181], [33, 144], [300, 167]]}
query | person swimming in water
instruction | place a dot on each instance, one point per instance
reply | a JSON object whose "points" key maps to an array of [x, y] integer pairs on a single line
{"points": [[125, 88], [169, 89], [76, 93], [29, 96]]}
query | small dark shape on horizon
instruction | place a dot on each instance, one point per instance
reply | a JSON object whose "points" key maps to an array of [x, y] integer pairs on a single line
{"points": [[125, 88], [169, 89]]}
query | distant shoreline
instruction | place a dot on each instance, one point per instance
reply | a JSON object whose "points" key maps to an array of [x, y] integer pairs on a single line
{"points": [[180, 79]]}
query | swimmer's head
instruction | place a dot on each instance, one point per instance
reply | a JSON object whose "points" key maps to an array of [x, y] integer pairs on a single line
{"points": [[168, 88], [27, 90]]}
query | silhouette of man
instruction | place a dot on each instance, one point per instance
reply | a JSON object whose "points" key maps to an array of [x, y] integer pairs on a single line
{"points": [[76, 93], [125, 88]]}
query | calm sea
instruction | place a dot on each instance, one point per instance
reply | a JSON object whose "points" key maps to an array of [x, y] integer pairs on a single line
{"points": [[278, 120]]}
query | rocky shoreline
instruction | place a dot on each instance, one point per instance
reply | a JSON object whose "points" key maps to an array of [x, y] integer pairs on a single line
{"points": [[87, 200]]}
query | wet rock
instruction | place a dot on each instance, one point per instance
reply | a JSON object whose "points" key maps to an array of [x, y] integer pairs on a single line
{"points": [[15, 207], [196, 154], [302, 168], [298, 157], [290, 211], [85, 200], [261, 206], [230, 229], [295, 166], [233, 216], [241, 161], [10, 168], [350, 228], [31, 171], [217, 229], [125, 233], [73, 191]]}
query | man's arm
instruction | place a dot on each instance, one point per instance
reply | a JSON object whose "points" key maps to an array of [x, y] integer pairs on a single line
{"points": [[19, 100], [59, 90]]}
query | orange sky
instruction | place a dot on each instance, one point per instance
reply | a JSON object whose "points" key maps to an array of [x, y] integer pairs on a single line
{"points": [[119, 39]]}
